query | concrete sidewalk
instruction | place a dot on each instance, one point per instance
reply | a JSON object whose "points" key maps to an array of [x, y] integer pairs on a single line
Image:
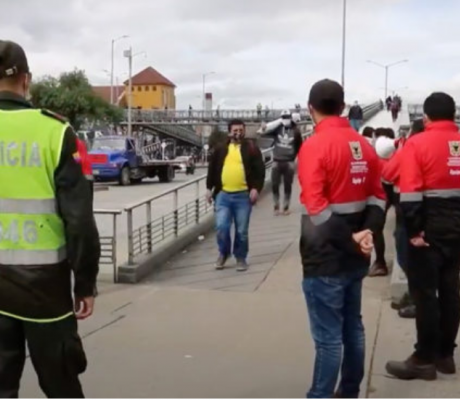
{"points": [[190, 332]]}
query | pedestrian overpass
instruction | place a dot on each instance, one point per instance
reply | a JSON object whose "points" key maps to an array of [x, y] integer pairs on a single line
{"points": [[182, 125]]}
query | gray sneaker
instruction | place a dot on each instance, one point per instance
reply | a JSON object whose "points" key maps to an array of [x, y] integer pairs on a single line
{"points": [[220, 263], [241, 265]]}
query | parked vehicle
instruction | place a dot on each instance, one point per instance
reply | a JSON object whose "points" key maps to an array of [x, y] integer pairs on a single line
{"points": [[127, 160], [187, 164]]}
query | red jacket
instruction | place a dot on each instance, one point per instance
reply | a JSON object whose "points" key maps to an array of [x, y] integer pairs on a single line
{"points": [[339, 174], [83, 159], [430, 182]]}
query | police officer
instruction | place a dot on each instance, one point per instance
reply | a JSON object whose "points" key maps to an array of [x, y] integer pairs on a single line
{"points": [[47, 229]]}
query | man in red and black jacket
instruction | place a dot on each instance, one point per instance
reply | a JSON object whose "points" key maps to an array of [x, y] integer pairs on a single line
{"points": [[430, 204], [344, 201]]}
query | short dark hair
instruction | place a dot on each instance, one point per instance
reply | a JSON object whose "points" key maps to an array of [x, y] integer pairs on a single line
{"points": [[417, 126], [380, 132], [439, 106], [235, 122], [368, 132], [390, 133], [327, 97]]}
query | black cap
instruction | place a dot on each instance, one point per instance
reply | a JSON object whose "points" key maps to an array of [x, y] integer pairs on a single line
{"points": [[13, 60], [327, 97]]}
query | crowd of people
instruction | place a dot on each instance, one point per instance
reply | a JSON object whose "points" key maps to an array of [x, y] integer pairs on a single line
{"points": [[348, 184], [394, 105]]}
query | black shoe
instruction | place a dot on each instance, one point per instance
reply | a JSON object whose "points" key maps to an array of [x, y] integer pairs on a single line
{"points": [[405, 301], [220, 263], [412, 368], [446, 366], [407, 312], [241, 265]]}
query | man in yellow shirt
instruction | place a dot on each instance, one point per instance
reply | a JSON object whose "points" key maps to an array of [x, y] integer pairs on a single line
{"points": [[236, 175]]}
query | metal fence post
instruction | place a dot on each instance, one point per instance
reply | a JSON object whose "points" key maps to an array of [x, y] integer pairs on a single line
{"points": [[114, 249], [176, 213], [130, 238], [197, 202], [149, 227]]}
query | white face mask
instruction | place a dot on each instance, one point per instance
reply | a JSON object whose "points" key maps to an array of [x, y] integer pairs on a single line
{"points": [[286, 122]]}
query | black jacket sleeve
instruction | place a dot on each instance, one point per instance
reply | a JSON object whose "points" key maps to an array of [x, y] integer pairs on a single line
{"points": [[258, 168], [212, 162], [298, 140], [75, 207]]}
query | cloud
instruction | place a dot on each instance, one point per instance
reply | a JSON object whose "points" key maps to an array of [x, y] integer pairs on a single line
{"points": [[262, 51]]}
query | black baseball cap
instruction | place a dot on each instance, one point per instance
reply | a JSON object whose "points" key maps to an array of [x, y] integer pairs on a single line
{"points": [[13, 60], [327, 97]]}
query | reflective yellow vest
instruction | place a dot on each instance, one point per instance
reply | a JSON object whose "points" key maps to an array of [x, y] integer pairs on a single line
{"points": [[31, 231]]}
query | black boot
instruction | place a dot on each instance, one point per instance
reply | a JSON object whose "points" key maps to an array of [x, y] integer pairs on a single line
{"points": [[407, 312], [412, 368]]}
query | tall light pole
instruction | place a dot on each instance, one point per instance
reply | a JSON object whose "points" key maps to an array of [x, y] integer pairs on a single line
{"points": [[204, 87], [386, 68], [344, 40], [129, 55], [112, 65]]}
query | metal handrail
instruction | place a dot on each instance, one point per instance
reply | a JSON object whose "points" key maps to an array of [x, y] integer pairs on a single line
{"points": [[109, 243]]}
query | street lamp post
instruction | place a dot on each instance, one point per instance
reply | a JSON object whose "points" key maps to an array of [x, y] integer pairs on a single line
{"points": [[344, 37], [112, 65], [386, 68], [129, 55]]}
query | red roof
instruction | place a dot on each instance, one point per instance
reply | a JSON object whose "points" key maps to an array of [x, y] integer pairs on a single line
{"points": [[104, 92], [150, 76]]}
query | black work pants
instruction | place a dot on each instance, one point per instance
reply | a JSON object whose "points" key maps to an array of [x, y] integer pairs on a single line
{"points": [[433, 274], [282, 171], [56, 353]]}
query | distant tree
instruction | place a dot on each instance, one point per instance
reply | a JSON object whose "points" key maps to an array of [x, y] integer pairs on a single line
{"points": [[71, 96], [217, 137]]}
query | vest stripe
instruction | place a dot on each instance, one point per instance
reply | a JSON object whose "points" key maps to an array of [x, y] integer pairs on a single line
{"points": [[374, 201], [37, 320], [409, 197], [28, 206], [32, 257], [443, 193]]}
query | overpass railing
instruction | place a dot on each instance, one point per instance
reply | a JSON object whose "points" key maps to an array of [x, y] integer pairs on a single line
{"points": [[416, 112], [143, 239], [191, 116]]}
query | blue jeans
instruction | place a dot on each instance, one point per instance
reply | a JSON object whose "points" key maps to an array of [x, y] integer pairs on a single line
{"points": [[233, 207], [401, 244], [334, 308], [355, 124]]}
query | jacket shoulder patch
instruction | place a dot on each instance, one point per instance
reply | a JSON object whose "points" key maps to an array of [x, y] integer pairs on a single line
{"points": [[54, 115]]}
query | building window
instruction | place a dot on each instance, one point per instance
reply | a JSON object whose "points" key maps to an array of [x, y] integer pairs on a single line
{"points": [[154, 88], [139, 88], [147, 88]]}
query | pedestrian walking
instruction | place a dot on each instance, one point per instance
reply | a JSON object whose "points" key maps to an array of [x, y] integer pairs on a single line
{"points": [[344, 201], [236, 175], [287, 141], [430, 204], [355, 115], [48, 231]]}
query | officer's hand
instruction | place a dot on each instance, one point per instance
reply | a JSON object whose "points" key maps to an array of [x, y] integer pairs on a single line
{"points": [[419, 241], [365, 241], [84, 307], [209, 196]]}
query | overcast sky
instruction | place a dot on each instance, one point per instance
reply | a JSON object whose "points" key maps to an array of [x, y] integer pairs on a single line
{"points": [[261, 50]]}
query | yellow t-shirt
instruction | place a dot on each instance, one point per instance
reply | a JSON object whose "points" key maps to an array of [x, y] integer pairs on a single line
{"points": [[233, 175]]}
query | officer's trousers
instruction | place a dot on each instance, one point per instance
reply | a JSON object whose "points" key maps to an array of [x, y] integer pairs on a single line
{"points": [[434, 285], [56, 353]]}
